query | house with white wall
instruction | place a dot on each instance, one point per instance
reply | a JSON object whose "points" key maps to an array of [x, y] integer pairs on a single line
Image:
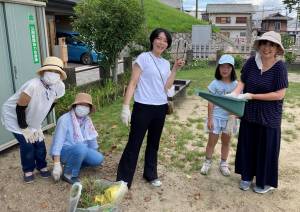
{"points": [[234, 20]]}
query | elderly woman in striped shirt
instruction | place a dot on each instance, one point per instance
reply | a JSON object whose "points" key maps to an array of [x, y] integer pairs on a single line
{"points": [[263, 82]]}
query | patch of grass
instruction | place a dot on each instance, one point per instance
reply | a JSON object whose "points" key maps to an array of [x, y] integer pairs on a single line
{"points": [[160, 15], [89, 190], [287, 139], [288, 116], [195, 120]]}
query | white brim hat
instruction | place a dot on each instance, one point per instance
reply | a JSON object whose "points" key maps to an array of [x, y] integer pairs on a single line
{"points": [[273, 37], [53, 64]]}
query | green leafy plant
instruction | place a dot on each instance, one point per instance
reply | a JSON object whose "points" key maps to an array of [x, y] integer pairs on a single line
{"points": [[287, 41], [108, 25], [101, 95], [198, 63], [290, 57], [238, 61]]}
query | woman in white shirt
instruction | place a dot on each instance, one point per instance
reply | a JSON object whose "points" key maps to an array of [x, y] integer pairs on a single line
{"points": [[151, 78], [24, 112]]}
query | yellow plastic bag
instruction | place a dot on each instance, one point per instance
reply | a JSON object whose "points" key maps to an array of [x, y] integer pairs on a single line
{"points": [[110, 195]]}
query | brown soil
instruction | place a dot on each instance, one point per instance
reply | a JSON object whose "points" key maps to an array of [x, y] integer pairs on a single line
{"points": [[179, 192]]}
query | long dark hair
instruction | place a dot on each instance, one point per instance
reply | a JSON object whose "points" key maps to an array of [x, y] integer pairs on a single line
{"points": [[155, 33], [232, 74]]}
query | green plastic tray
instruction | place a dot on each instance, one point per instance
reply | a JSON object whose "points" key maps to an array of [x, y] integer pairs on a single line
{"points": [[232, 105]]}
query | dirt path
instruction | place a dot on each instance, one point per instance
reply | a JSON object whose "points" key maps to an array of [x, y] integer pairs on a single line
{"points": [[180, 192]]}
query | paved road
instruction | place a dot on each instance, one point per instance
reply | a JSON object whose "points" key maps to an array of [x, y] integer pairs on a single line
{"points": [[91, 75]]}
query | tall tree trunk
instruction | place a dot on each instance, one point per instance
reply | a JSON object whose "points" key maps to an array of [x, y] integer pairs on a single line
{"points": [[115, 71]]}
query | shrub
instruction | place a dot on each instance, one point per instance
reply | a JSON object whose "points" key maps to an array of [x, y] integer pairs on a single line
{"points": [[198, 63], [238, 61], [290, 57], [101, 95]]}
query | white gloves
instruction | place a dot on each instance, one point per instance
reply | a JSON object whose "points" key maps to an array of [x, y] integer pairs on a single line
{"points": [[125, 115], [39, 135], [29, 134], [239, 96], [244, 96], [232, 95], [57, 171], [32, 135]]}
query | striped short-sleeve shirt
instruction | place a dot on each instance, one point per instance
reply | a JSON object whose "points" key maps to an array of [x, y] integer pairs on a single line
{"points": [[267, 113]]}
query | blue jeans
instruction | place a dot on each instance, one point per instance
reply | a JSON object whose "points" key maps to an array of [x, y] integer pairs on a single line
{"points": [[77, 156], [32, 155]]}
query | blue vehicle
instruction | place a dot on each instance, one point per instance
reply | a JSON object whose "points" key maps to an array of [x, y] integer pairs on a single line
{"points": [[79, 51]]}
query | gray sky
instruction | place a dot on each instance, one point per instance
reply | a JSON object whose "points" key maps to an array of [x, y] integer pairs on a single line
{"points": [[275, 4]]}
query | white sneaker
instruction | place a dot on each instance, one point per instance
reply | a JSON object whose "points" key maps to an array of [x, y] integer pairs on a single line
{"points": [[245, 185], [264, 190], [205, 167], [156, 183], [224, 168]]}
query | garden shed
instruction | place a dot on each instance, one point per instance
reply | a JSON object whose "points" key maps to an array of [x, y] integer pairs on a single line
{"points": [[23, 43]]}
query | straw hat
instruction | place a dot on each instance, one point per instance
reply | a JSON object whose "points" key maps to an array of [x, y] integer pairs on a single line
{"points": [[270, 36], [83, 98], [53, 64]]}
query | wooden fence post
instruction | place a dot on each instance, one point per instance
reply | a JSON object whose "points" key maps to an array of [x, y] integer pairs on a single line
{"points": [[127, 63], [71, 77], [189, 56]]}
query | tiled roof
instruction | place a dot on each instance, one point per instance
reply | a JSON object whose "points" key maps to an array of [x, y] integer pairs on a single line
{"points": [[229, 8]]}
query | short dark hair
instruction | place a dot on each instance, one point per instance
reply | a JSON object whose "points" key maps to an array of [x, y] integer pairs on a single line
{"points": [[232, 75], [155, 33]]}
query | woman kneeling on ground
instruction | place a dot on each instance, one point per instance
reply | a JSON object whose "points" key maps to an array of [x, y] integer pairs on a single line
{"points": [[75, 141]]}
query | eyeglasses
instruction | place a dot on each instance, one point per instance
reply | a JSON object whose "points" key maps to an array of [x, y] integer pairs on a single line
{"points": [[162, 39], [267, 43]]}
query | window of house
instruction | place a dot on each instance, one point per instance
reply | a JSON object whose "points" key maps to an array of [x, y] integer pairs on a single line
{"points": [[223, 20], [242, 34], [277, 25], [241, 20]]}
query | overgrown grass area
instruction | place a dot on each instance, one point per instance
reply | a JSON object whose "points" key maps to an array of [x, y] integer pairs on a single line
{"points": [[160, 15]]}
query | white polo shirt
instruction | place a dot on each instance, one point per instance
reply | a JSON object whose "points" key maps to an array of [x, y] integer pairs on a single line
{"points": [[38, 107], [150, 88]]}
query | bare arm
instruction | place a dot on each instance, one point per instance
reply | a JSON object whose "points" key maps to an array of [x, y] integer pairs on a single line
{"points": [[135, 76], [56, 158], [276, 95], [24, 99], [209, 110], [239, 88], [177, 65]]}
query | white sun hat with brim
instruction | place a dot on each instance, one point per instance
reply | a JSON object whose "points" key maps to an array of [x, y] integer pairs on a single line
{"points": [[53, 64], [272, 37]]}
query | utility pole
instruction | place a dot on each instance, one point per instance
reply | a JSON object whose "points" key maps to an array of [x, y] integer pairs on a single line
{"points": [[297, 18], [196, 9]]}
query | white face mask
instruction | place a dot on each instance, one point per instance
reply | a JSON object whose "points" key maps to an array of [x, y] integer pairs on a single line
{"points": [[81, 110], [51, 78]]}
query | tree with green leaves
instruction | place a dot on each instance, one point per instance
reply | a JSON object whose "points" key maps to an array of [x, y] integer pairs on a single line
{"points": [[290, 4], [108, 26]]}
